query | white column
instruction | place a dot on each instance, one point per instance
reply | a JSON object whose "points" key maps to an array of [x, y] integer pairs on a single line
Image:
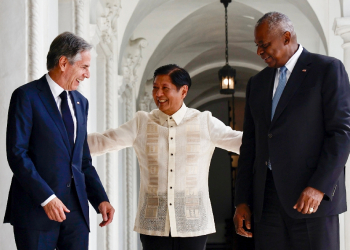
{"points": [[14, 72], [107, 24], [111, 166], [79, 17], [35, 39], [130, 174], [342, 28], [80, 20], [131, 61]]}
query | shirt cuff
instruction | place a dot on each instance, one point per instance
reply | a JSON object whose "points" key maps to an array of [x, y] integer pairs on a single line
{"points": [[48, 200]]}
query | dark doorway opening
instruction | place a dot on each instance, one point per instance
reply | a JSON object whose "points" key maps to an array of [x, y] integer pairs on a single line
{"points": [[221, 180]]}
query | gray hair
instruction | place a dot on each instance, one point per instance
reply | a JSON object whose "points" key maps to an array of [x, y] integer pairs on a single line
{"points": [[66, 44], [277, 22]]}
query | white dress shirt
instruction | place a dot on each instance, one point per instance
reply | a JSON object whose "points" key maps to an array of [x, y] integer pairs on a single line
{"points": [[56, 90], [174, 154], [290, 66]]}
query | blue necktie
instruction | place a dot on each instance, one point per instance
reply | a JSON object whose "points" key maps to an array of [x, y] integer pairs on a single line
{"points": [[282, 80], [67, 118]]}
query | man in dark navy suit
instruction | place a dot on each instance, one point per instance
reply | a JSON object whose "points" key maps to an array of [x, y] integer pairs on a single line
{"points": [[47, 150], [296, 141]]}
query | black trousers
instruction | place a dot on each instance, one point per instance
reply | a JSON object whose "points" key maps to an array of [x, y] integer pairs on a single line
{"points": [[173, 243], [276, 230], [71, 234]]}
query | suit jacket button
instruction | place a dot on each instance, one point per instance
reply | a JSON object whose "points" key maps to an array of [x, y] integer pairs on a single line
{"points": [[266, 163], [68, 185], [270, 136]]}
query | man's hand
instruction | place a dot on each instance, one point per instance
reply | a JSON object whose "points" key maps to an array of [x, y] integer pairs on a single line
{"points": [[107, 212], [243, 214], [309, 201], [55, 210]]}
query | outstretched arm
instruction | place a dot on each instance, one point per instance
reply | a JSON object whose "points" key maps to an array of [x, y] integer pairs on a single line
{"points": [[113, 139], [224, 136]]}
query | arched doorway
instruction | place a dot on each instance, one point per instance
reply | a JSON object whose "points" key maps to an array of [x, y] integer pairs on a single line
{"points": [[221, 180]]}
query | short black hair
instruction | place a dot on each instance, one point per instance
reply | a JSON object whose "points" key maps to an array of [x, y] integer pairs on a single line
{"points": [[66, 44], [178, 76]]}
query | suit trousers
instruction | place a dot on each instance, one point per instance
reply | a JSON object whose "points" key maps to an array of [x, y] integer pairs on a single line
{"points": [[277, 230], [71, 234], [173, 243]]}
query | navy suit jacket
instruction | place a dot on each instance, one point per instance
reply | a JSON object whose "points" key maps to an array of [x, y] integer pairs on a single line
{"points": [[39, 155], [307, 142]]}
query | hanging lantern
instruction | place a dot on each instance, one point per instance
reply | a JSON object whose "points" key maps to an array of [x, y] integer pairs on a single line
{"points": [[227, 74], [227, 79]]}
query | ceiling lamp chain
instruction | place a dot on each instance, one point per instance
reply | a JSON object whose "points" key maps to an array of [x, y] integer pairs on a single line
{"points": [[226, 35], [227, 74]]}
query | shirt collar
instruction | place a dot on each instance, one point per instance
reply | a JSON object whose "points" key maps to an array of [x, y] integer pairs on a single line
{"points": [[293, 60], [178, 116], [55, 88]]}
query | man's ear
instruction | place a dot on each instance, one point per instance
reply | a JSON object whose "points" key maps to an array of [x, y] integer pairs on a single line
{"points": [[63, 63], [287, 37], [184, 90]]}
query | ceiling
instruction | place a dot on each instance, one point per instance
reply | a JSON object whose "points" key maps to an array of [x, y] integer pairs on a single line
{"points": [[192, 35]]}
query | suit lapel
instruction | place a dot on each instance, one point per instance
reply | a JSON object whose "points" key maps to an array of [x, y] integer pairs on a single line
{"points": [[50, 104], [270, 79], [294, 82]]}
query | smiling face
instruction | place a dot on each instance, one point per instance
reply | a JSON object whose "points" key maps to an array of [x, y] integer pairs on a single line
{"points": [[166, 96], [72, 75], [273, 47]]}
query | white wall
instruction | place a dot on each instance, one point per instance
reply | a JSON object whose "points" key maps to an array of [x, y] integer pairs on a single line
{"points": [[13, 73]]}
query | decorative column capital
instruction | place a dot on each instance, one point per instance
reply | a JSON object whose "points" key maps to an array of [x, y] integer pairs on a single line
{"points": [[107, 22], [341, 27], [146, 102], [132, 60], [80, 2]]}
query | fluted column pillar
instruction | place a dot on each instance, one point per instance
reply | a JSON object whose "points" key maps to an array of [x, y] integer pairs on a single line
{"points": [[128, 100], [79, 17], [342, 28], [35, 59], [131, 61], [80, 20], [111, 166]]}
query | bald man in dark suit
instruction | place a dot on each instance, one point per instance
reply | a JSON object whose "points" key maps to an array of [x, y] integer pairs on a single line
{"points": [[296, 141]]}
